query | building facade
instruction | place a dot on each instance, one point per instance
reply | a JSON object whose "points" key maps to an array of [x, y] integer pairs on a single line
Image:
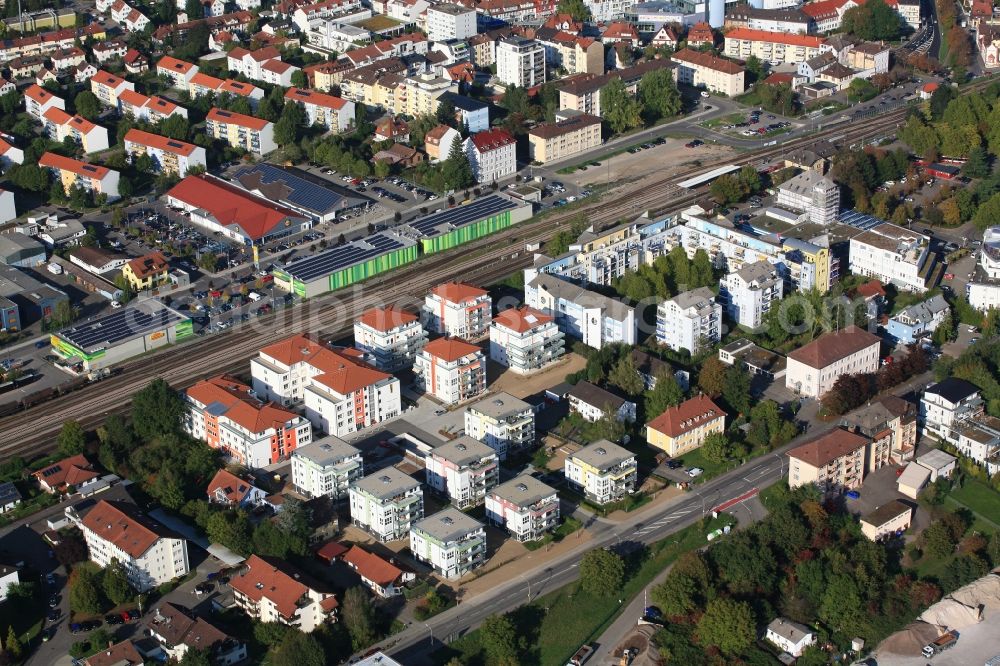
{"points": [[833, 461], [464, 470], [450, 541], [525, 506], [690, 320], [326, 467], [451, 370], [813, 194], [520, 62], [586, 315], [894, 255], [549, 142], [683, 428], [255, 135], [501, 421], [393, 336], [813, 369], [386, 504], [749, 293], [266, 592], [602, 472], [457, 310], [525, 340]]}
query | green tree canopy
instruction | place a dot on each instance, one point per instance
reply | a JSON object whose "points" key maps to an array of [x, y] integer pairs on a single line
{"points": [[359, 617], [499, 639], [873, 21], [621, 110], [156, 410], [87, 105], [602, 572], [578, 9], [114, 582], [72, 439], [85, 589], [665, 393], [298, 649], [728, 625], [659, 95]]}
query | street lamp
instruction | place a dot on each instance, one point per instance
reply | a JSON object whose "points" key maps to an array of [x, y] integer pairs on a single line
{"points": [[528, 581], [432, 633]]}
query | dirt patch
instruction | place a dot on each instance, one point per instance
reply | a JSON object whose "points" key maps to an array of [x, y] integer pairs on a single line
{"points": [[522, 386], [560, 450], [650, 164], [640, 643]]}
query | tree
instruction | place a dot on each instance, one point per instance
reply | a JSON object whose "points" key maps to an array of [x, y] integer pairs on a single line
{"points": [[754, 69], [621, 110], [446, 112], [456, 170], [701, 273], [194, 10], [289, 125], [13, 644], [602, 572], [298, 649], [498, 636], [72, 439], [676, 595], [578, 9], [625, 376], [875, 21], [938, 541], [125, 187], [84, 589], [736, 389], [726, 189], [716, 447], [114, 583], [156, 410], [299, 79], [977, 165], [728, 625], [712, 377], [665, 393], [659, 95], [359, 618], [842, 607], [87, 105], [144, 164], [195, 657], [749, 179]]}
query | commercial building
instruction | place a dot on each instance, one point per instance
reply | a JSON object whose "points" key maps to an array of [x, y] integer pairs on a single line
{"points": [[457, 310], [703, 70], [520, 62], [594, 403], [588, 316], [177, 630], [684, 427], [749, 293], [447, 21], [150, 553], [452, 227], [329, 111], [255, 135], [59, 126], [525, 506], [690, 320], [811, 193], [603, 472], [525, 340], [464, 470], [72, 173], [225, 414], [20, 250], [269, 591], [834, 461], [326, 467], [887, 520], [24, 300], [293, 189], [386, 504], [450, 541], [503, 422], [894, 255], [168, 155], [548, 142], [147, 271], [814, 369], [776, 48], [451, 370], [918, 320], [492, 155], [392, 336]]}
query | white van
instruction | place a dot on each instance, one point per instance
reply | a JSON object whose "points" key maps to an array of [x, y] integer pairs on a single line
{"points": [[55, 269], [254, 296]]}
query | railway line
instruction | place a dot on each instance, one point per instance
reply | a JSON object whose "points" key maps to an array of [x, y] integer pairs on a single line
{"points": [[34, 430]]}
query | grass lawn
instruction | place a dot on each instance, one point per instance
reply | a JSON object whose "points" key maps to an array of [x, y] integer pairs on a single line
{"points": [[697, 458], [731, 119], [981, 499]]}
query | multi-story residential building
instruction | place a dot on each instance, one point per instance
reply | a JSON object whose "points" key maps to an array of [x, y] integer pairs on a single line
{"points": [[909, 11], [525, 506], [573, 53], [469, 112], [38, 100], [593, 318], [169, 156], [683, 428], [457, 310], [690, 320], [254, 135], [813, 369], [525, 340], [600, 256], [74, 173], [269, 591], [331, 112], [791, 20], [439, 141], [918, 320], [147, 271], [492, 155], [451, 370], [503, 422], [229, 490], [386, 504], [177, 630], [203, 84], [603, 472], [151, 554], [777, 48], [393, 336], [326, 467], [108, 87], [703, 70], [464, 470], [520, 62], [179, 72], [749, 293], [60, 126], [224, 413], [583, 92], [264, 64], [894, 255], [149, 109], [952, 411], [594, 403], [549, 142], [890, 424], [447, 21], [983, 289], [834, 461], [452, 542], [811, 193]]}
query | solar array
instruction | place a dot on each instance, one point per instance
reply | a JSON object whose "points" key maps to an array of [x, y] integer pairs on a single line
{"points": [[303, 193], [863, 221], [437, 223], [344, 256], [119, 326]]}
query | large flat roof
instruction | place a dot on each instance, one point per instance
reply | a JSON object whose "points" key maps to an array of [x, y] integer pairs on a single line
{"points": [[281, 185], [446, 220], [344, 256], [125, 324]]}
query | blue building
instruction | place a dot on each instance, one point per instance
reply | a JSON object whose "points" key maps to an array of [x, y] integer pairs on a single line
{"points": [[912, 323]]}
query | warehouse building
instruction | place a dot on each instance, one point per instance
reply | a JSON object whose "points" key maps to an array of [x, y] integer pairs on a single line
{"points": [[463, 224], [21, 250], [121, 335], [24, 300], [291, 189]]}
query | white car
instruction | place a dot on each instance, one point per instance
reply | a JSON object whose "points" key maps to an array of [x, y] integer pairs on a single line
{"points": [[115, 305], [695, 472], [704, 93]]}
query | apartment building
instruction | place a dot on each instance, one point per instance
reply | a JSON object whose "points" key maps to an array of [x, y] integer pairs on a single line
{"points": [[451, 542], [457, 310], [439, 141], [150, 553], [549, 142], [834, 461], [593, 318], [386, 504], [329, 111], [520, 62], [492, 155], [600, 256], [224, 413], [602, 472], [59, 126], [448, 21], [74, 173], [583, 92], [179, 72], [503, 422], [38, 100], [264, 64], [791, 20], [894, 255], [392, 336], [594, 403], [953, 411], [749, 293], [270, 591], [464, 470], [203, 84], [176, 630], [170, 156], [684, 427], [689, 320], [107, 87], [149, 109], [703, 70], [326, 467], [451, 370], [918, 320], [525, 340], [525, 506], [814, 369], [811, 193], [890, 424], [776, 48], [572, 53], [983, 289], [254, 135]]}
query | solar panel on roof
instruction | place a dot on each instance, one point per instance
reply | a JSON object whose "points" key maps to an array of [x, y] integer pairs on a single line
{"points": [[174, 144], [341, 257], [118, 326], [438, 223], [87, 167], [303, 193]]}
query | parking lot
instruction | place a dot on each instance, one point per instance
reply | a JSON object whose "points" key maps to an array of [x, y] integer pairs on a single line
{"points": [[755, 124]]}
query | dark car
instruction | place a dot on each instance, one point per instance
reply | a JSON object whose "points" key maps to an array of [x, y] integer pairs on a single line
{"points": [[53, 601], [54, 615], [203, 588], [674, 464], [113, 619], [90, 625], [76, 628], [131, 614]]}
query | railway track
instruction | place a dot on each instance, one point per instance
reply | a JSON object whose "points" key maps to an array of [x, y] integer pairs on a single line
{"points": [[34, 430]]}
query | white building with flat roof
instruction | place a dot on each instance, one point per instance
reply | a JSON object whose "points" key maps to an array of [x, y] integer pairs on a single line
{"points": [[894, 255], [588, 316], [503, 422], [525, 506], [689, 320], [464, 470], [452, 542], [326, 467], [749, 292], [386, 504], [448, 21], [520, 62]]}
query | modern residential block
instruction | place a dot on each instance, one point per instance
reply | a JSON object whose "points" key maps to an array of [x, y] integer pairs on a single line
{"points": [[168, 155], [450, 541], [811, 193], [269, 590], [74, 173], [254, 135], [520, 62], [749, 293], [451, 370], [393, 336], [603, 472], [834, 461], [329, 111], [690, 320], [503, 422], [326, 467], [386, 504], [586, 315], [525, 340], [447, 21], [548, 142], [893, 255], [703, 70], [457, 310], [525, 506], [464, 470]]}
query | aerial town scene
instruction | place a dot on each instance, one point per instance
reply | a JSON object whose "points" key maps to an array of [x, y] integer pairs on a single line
{"points": [[499, 332]]}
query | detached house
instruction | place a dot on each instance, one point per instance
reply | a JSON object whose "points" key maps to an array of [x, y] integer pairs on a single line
{"points": [[147, 271], [177, 630], [383, 577], [230, 490], [594, 403], [75, 471]]}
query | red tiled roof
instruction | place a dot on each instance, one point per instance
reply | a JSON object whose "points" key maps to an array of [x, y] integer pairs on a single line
{"points": [[386, 319], [686, 416], [492, 139], [232, 118], [871, 289], [174, 65], [233, 488], [834, 346], [153, 263], [340, 373], [929, 87], [264, 580], [823, 9], [775, 37], [450, 349], [778, 78], [708, 60], [122, 525], [247, 412], [522, 319], [133, 98], [331, 550], [38, 93], [314, 97], [457, 292], [175, 146], [107, 79], [71, 471], [621, 30], [700, 32], [827, 447], [84, 169], [231, 206], [115, 655], [372, 567]]}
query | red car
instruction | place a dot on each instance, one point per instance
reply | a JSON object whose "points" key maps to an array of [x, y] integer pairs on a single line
{"points": [[949, 276]]}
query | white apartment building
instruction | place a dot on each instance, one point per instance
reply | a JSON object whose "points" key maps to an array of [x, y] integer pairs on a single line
{"points": [[149, 109], [329, 111], [605, 11], [593, 318], [502, 421], [703, 70], [983, 289], [525, 340], [457, 310], [261, 65], [151, 554], [179, 72], [811, 193], [464, 470], [108, 87], [525, 506], [777, 48], [520, 62], [393, 336], [451, 370], [268, 593], [893, 255], [603, 472], [947, 405], [254, 135], [452, 542], [594, 403], [812, 370], [749, 292], [492, 155], [689, 320], [38, 100], [168, 155], [326, 467], [447, 21], [386, 504]]}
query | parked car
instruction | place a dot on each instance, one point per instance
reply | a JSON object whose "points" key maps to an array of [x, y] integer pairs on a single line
{"points": [[695, 472], [853, 494], [113, 619]]}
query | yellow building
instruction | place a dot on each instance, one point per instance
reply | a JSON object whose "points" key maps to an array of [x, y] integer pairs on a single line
{"points": [[886, 520], [833, 461], [683, 428], [94, 178], [817, 268], [147, 271], [555, 141], [603, 472]]}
